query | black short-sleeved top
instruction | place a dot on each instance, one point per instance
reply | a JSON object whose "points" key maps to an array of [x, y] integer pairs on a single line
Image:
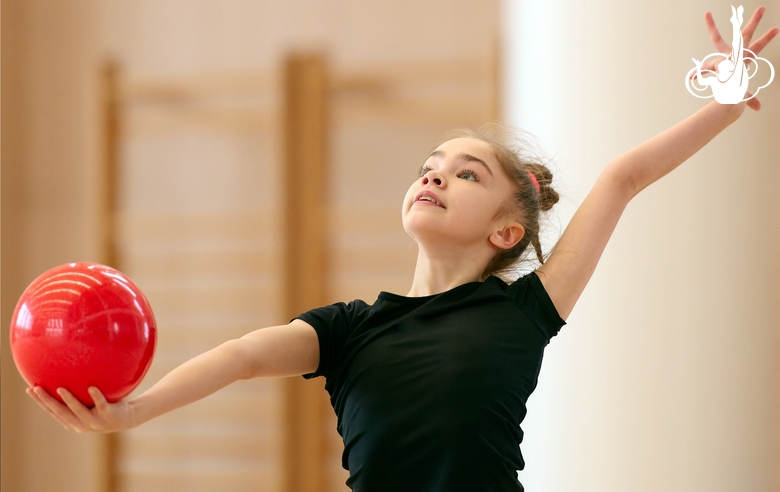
{"points": [[430, 391]]}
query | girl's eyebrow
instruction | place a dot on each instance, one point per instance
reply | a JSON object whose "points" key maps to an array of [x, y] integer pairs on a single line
{"points": [[465, 157]]}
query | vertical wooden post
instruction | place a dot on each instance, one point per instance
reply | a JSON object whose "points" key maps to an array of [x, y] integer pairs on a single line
{"points": [[110, 74], [305, 141], [110, 115]]}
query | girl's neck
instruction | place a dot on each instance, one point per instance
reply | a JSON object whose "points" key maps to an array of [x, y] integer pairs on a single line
{"points": [[440, 273]]}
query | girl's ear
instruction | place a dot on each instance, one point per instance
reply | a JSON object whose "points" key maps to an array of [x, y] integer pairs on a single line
{"points": [[506, 238]]}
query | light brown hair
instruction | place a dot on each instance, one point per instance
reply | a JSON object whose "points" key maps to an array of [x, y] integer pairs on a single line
{"points": [[516, 152]]}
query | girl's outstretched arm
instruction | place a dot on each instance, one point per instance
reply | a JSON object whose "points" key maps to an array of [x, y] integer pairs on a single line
{"points": [[571, 264], [573, 260], [286, 350]]}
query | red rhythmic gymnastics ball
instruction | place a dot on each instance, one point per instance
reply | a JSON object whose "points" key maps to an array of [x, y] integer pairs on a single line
{"points": [[80, 325]]}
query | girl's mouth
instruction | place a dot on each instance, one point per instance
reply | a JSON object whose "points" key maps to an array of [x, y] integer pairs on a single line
{"points": [[429, 197]]}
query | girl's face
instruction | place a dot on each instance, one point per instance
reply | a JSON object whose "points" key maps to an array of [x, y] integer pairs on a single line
{"points": [[458, 197]]}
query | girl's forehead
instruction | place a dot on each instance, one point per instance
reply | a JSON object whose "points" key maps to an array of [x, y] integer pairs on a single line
{"points": [[468, 146]]}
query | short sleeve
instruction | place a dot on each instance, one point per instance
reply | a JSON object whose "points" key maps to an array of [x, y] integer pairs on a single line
{"points": [[333, 325], [530, 295]]}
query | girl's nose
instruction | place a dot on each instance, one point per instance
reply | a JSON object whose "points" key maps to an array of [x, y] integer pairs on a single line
{"points": [[432, 177]]}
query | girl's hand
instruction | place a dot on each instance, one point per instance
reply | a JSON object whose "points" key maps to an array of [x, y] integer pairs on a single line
{"points": [[74, 415], [747, 35]]}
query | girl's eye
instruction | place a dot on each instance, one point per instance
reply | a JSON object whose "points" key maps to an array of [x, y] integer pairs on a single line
{"points": [[468, 175], [424, 170]]}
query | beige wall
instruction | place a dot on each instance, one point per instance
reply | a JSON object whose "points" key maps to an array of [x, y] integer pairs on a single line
{"points": [[52, 52], [48, 171], [666, 377]]}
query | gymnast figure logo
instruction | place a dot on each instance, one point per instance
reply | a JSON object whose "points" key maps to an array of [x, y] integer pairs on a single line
{"points": [[730, 83]]}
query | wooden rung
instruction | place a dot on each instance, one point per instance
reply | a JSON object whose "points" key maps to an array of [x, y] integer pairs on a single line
{"points": [[173, 299], [366, 219], [234, 264], [160, 120], [166, 227], [257, 444], [198, 476], [393, 75], [450, 112], [197, 87]]}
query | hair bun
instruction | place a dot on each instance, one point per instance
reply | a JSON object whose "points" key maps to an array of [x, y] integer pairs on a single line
{"points": [[547, 195]]}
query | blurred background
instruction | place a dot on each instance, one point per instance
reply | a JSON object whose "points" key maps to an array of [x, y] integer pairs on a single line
{"points": [[244, 161]]}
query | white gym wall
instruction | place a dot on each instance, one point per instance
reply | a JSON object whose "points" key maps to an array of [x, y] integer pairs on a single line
{"points": [[666, 376]]}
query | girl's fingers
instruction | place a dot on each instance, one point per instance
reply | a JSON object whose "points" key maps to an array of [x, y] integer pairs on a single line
{"points": [[764, 40], [97, 396], [753, 103], [713, 65], [707, 68], [105, 416], [79, 410], [39, 401], [101, 404], [73, 415], [752, 24], [717, 39], [57, 409]]}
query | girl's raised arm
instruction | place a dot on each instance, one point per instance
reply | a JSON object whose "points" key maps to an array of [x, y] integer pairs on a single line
{"points": [[573, 260], [286, 350], [571, 264]]}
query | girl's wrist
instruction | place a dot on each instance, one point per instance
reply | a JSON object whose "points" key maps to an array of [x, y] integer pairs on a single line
{"points": [[731, 112], [135, 414], [738, 109]]}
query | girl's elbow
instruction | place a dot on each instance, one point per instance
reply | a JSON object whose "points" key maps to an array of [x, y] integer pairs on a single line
{"points": [[622, 182], [235, 354]]}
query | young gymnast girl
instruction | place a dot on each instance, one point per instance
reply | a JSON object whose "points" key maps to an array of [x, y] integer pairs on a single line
{"points": [[430, 388]]}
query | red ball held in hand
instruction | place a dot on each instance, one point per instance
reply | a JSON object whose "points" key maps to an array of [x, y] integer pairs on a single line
{"points": [[80, 325]]}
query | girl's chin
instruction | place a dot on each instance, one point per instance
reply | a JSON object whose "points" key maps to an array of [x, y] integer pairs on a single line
{"points": [[432, 234], [423, 224]]}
